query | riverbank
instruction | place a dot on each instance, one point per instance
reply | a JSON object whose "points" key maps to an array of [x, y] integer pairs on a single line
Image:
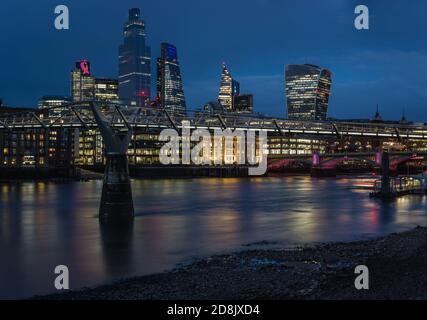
{"points": [[32, 174], [397, 265]]}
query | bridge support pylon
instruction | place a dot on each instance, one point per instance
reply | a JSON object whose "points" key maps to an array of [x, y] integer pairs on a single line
{"points": [[317, 170], [378, 156], [385, 178], [116, 199]]}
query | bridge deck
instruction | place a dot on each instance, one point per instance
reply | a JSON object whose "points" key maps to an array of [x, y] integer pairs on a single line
{"points": [[78, 115]]}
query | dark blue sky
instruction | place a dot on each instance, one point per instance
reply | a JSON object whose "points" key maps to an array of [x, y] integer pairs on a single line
{"points": [[386, 65]]}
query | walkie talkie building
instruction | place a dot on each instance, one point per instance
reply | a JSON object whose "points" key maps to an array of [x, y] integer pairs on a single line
{"points": [[307, 90]]}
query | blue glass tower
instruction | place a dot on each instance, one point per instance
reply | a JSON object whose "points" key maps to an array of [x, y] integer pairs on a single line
{"points": [[170, 90]]}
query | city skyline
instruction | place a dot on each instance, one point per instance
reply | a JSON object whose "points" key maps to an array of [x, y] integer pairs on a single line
{"points": [[232, 151], [365, 70]]}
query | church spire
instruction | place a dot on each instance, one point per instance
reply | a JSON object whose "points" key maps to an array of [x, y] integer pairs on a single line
{"points": [[403, 114], [377, 117]]}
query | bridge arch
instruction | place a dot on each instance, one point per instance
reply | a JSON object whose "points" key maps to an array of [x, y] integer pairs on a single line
{"points": [[334, 162], [280, 164], [395, 162]]}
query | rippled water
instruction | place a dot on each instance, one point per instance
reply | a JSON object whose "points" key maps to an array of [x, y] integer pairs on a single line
{"points": [[43, 225]]}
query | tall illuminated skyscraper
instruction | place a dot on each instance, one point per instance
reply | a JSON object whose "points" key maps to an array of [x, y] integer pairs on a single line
{"points": [[135, 62], [229, 88], [307, 90], [82, 82], [170, 90]]}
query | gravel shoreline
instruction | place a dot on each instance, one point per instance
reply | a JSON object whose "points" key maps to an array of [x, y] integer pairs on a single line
{"points": [[397, 270]]}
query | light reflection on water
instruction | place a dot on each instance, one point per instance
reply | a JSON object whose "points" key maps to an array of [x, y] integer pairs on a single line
{"points": [[45, 224]]}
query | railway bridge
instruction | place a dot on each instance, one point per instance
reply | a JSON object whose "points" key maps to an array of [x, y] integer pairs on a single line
{"points": [[326, 164]]}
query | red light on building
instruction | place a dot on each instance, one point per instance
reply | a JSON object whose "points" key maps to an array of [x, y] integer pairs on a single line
{"points": [[84, 67]]}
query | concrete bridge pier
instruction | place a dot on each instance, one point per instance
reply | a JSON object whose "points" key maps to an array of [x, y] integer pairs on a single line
{"points": [[378, 157], [317, 170], [116, 199]]}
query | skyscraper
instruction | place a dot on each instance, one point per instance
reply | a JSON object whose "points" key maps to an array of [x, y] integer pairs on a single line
{"points": [[82, 82], [170, 90], [229, 88], [135, 62], [307, 89], [106, 90]]}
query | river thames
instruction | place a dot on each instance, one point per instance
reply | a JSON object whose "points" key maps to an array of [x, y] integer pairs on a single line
{"points": [[43, 224]]}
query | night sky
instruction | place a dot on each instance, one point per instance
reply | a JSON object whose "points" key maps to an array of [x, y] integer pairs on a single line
{"points": [[386, 65]]}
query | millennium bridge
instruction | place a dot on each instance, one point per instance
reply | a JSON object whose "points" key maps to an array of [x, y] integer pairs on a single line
{"points": [[79, 115], [69, 136]]}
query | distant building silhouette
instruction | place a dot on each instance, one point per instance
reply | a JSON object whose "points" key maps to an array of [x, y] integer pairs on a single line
{"points": [[377, 117], [7, 109], [307, 90], [229, 88], [212, 108], [403, 120], [135, 62], [170, 90], [244, 104]]}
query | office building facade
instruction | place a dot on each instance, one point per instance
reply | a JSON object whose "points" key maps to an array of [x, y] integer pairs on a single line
{"points": [[135, 62], [82, 82], [170, 92], [106, 90], [60, 103], [308, 88]]}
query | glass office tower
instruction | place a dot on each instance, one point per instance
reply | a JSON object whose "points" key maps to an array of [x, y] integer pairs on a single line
{"points": [[307, 90], [170, 90], [135, 63]]}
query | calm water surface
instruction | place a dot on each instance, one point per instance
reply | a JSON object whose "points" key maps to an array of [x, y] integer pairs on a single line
{"points": [[43, 225]]}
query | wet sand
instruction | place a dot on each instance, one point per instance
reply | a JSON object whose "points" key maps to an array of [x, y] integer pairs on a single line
{"points": [[397, 270]]}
